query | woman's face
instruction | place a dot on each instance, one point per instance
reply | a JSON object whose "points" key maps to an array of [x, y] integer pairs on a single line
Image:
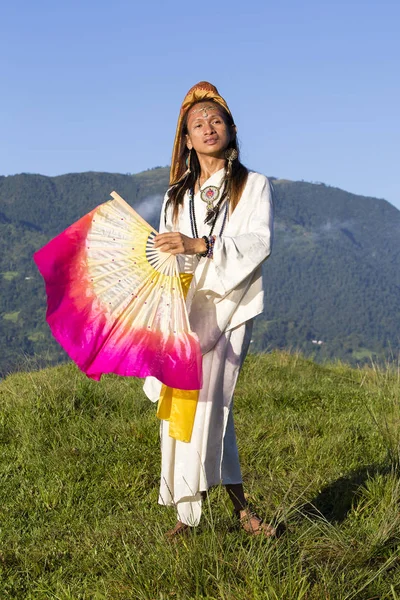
{"points": [[208, 132]]}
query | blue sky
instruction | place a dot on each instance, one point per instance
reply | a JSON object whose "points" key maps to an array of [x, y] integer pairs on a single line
{"points": [[314, 86]]}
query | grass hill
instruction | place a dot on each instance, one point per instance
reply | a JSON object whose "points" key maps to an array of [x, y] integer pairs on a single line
{"points": [[79, 472], [333, 277]]}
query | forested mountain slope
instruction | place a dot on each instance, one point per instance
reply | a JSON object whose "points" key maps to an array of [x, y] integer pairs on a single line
{"points": [[333, 277]]}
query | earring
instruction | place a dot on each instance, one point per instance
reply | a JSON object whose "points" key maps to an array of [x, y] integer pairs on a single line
{"points": [[231, 154], [188, 160]]}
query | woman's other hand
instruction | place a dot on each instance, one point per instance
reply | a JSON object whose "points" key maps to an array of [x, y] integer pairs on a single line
{"points": [[178, 243]]}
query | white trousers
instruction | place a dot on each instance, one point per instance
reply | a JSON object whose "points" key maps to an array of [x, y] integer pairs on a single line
{"points": [[212, 456]]}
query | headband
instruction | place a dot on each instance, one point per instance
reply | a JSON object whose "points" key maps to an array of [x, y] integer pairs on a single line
{"points": [[200, 91]]}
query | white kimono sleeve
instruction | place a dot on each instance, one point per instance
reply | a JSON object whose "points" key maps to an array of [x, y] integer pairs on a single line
{"points": [[165, 218], [238, 254]]}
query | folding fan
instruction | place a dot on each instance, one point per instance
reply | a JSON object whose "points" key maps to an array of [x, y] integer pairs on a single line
{"points": [[115, 303]]}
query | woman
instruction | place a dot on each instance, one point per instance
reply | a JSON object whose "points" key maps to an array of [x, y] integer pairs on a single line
{"points": [[217, 217]]}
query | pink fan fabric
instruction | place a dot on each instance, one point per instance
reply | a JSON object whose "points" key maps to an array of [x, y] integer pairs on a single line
{"points": [[103, 340]]}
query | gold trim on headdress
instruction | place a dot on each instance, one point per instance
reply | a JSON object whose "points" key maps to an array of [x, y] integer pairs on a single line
{"points": [[200, 91]]}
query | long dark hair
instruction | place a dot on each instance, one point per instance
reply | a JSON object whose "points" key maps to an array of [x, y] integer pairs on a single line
{"points": [[235, 178]]}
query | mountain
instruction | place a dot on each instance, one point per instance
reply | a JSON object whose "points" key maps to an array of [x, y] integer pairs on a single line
{"points": [[334, 275], [332, 282]]}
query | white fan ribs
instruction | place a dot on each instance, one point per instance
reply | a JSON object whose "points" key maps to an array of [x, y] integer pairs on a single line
{"points": [[139, 282]]}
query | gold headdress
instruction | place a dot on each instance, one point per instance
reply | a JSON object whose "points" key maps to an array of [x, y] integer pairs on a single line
{"points": [[200, 91]]}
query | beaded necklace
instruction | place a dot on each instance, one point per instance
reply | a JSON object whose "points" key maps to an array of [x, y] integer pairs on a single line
{"points": [[193, 223]]}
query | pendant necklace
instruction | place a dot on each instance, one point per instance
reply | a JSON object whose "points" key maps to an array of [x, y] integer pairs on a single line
{"points": [[209, 195], [193, 223]]}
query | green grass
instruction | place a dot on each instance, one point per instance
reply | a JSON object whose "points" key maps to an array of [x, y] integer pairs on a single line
{"points": [[362, 353], [11, 316], [79, 470], [35, 336], [9, 275]]}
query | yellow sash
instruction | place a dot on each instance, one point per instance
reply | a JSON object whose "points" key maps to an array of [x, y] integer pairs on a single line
{"points": [[179, 406]]}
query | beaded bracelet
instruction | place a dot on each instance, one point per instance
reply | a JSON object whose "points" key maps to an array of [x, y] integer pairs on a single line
{"points": [[205, 253], [210, 250]]}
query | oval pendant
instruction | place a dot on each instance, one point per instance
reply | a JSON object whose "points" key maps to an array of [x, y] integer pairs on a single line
{"points": [[210, 194]]}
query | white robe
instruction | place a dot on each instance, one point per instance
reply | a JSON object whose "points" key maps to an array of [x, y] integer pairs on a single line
{"points": [[226, 293]]}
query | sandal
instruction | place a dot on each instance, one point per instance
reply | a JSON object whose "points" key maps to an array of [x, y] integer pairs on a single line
{"points": [[180, 529], [253, 524]]}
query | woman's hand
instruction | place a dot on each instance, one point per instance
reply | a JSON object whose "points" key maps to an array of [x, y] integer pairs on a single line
{"points": [[178, 243]]}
